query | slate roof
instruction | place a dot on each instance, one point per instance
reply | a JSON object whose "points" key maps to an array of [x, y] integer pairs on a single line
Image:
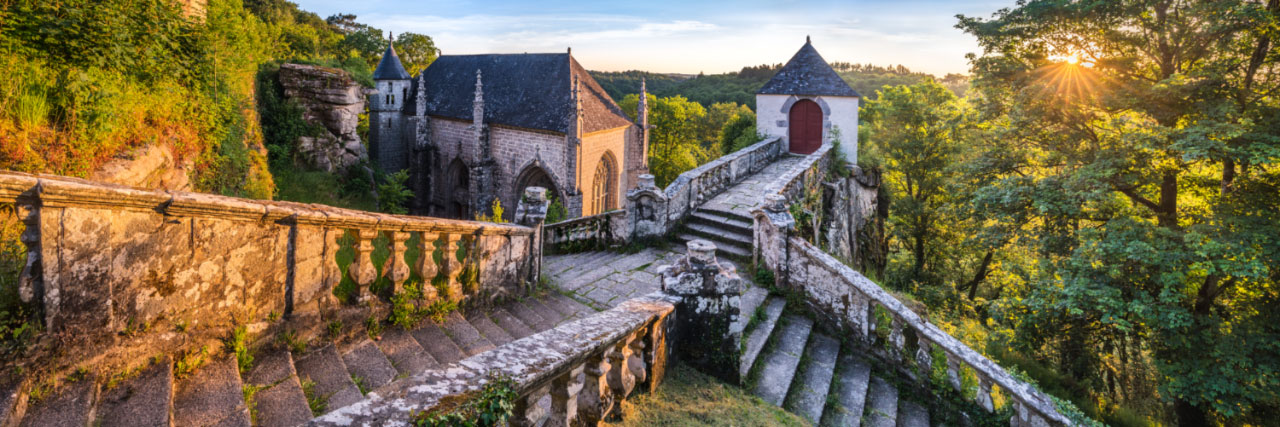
{"points": [[807, 74], [390, 68], [530, 90]]}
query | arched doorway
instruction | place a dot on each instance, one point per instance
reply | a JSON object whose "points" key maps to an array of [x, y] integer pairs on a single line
{"points": [[805, 131], [458, 190], [534, 176], [604, 185]]}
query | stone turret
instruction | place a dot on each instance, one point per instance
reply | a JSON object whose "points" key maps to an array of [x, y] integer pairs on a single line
{"points": [[387, 144]]}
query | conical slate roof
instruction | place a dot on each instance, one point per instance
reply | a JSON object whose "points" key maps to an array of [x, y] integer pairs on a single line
{"points": [[807, 74], [389, 68]]}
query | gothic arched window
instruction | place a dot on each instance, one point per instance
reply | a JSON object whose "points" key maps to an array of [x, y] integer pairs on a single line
{"points": [[604, 185]]}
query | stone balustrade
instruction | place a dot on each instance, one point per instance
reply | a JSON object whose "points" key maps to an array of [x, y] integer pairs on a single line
{"points": [[102, 259], [576, 374], [588, 232], [697, 185], [853, 303]]}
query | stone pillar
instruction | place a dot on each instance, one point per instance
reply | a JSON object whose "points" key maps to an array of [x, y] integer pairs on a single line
{"points": [[710, 295], [396, 270], [771, 237], [646, 210], [531, 212], [361, 269]]}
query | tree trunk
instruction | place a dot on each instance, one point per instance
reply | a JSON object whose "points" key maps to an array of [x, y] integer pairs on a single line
{"points": [[1167, 211], [979, 276]]}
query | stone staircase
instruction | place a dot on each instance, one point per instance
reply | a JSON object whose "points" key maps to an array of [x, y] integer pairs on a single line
{"points": [[790, 362], [287, 389], [730, 231]]}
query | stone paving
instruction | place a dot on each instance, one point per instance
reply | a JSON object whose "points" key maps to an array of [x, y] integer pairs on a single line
{"points": [[750, 193], [606, 279]]}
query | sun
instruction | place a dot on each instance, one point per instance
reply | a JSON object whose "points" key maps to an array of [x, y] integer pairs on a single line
{"points": [[1072, 59]]}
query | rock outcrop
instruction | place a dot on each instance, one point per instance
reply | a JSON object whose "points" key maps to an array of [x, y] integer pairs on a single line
{"points": [[332, 99], [149, 166]]}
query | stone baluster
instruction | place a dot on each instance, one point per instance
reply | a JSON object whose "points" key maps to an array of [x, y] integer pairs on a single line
{"points": [[953, 373], [636, 361], [924, 357], [564, 398], [655, 355], [427, 267], [873, 324], [984, 394], [452, 267], [526, 411], [897, 340], [596, 399], [396, 270], [620, 379], [361, 269]]}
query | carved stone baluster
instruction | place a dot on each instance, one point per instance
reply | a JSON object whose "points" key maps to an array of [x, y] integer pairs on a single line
{"points": [[897, 341], [953, 373], [984, 394], [924, 357], [596, 400], [621, 381], [526, 411], [452, 266], [396, 270], [655, 355], [873, 324], [564, 398], [427, 267], [636, 362], [361, 269]]}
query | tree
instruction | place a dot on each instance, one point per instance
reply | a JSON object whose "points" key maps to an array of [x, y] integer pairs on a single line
{"points": [[416, 51], [739, 132], [1137, 140], [674, 144]]}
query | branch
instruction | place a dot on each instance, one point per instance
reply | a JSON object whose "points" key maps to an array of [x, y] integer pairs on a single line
{"points": [[1128, 191]]}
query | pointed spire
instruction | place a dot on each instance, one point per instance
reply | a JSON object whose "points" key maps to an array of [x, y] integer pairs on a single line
{"points": [[806, 39], [477, 112], [642, 111], [390, 68]]}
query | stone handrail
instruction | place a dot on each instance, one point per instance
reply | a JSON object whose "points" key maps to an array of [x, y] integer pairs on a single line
{"points": [[697, 185], [103, 258], [586, 367], [848, 299], [600, 230]]}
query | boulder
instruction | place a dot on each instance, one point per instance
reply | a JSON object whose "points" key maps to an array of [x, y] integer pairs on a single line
{"points": [[332, 99]]}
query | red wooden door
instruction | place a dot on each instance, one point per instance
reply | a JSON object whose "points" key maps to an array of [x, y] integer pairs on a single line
{"points": [[806, 127]]}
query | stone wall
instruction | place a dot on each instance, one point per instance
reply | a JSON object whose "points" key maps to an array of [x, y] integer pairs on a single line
{"points": [[594, 148], [105, 259], [517, 149], [332, 99], [773, 113], [699, 184]]}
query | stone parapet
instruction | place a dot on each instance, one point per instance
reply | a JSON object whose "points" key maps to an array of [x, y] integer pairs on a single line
{"points": [[697, 185], [588, 232], [710, 296], [587, 367]]}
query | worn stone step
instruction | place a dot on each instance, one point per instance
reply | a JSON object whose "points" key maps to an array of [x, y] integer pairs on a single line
{"points": [[735, 224], [743, 219], [279, 400], [433, 339], [576, 280], [590, 261], [145, 400], [70, 405], [911, 414], [212, 396], [530, 318], [850, 390], [465, 335], [882, 404], [13, 399], [333, 384], [510, 323], [722, 251], [751, 300], [780, 364], [567, 306], [808, 395], [546, 312], [491, 331], [367, 363], [719, 235], [406, 355], [757, 337]]}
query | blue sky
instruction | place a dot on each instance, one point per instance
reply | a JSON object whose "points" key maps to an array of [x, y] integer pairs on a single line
{"points": [[686, 36]]}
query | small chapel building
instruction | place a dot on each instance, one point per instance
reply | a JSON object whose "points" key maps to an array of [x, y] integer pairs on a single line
{"points": [[806, 103], [472, 129]]}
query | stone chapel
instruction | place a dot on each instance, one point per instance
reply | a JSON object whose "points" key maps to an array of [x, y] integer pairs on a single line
{"points": [[474, 128]]}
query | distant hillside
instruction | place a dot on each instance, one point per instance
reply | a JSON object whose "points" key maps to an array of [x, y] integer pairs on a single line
{"points": [[741, 86]]}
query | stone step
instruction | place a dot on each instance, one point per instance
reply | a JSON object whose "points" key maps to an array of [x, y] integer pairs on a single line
{"points": [[734, 224], [441, 348], [723, 251], [13, 399], [911, 414], [742, 219], [145, 400], [510, 323], [367, 363], [570, 308], [406, 355], [578, 278], [333, 384], [589, 262], [808, 395], [758, 336], [780, 364], [212, 396], [720, 236], [530, 318], [465, 335], [751, 300], [70, 405], [491, 331], [546, 312], [279, 400], [850, 390], [882, 404]]}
